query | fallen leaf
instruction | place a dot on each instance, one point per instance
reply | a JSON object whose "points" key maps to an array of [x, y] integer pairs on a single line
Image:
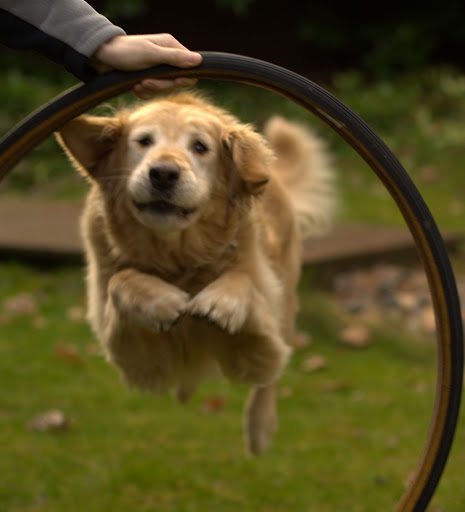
{"points": [[285, 392], [214, 404], [456, 208], [68, 353], [392, 442], [93, 349], [333, 385], [381, 480], [407, 301], [23, 304], [39, 322], [77, 314], [356, 336], [420, 387], [53, 420], [360, 433], [429, 174], [315, 362], [300, 340]]}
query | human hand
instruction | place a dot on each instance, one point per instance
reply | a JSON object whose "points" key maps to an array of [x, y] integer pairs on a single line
{"points": [[132, 53]]}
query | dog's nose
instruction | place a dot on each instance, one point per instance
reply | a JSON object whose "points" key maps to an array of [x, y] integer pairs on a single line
{"points": [[164, 176]]}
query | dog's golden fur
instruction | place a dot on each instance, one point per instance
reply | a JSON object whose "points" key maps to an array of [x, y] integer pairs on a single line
{"points": [[192, 230]]}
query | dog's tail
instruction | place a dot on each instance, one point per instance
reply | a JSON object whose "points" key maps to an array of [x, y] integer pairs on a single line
{"points": [[304, 166]]}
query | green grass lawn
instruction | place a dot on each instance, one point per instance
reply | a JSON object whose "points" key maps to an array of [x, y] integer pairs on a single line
{"points": [[350, 433]]}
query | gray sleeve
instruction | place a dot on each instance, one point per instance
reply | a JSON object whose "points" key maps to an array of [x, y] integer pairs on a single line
{"points": [[73, 22]]}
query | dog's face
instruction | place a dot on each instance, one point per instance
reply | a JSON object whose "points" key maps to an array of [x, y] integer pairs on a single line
{"points": [[169, 161], [173, 158]]}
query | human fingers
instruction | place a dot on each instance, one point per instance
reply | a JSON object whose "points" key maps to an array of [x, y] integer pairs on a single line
{"points": [[153, 49], [130, 53], [163, 39], [173, 55], [147, 88]]}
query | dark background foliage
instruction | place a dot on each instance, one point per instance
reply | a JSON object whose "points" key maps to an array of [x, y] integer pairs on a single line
{"points": [[381, 38]]}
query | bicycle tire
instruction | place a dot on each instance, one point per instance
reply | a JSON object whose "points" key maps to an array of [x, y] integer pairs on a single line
{"points": [[222, 66]]}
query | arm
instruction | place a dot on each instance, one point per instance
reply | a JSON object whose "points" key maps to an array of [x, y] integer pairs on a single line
{"points": [[67, 32], [72, 33]]}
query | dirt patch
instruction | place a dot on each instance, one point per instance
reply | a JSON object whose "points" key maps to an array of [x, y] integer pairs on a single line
{"points": [[389, 292]]}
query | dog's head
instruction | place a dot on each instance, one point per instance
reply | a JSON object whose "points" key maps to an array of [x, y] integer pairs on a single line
{"points": [[171, 161]]}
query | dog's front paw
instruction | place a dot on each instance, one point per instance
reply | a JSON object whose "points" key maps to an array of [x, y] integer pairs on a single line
{"points": [[166, 310], [225, 306], [146, 300]]}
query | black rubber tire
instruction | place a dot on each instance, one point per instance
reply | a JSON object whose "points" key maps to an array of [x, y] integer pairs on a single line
{"points": [[358, 134]]}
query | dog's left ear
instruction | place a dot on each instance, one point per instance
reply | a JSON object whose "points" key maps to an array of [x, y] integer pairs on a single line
{"points": [[249, 156], [88, 139]]}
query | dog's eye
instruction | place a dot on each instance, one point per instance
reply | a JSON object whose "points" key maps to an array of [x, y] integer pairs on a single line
{"points": [[144, 141], [200, 147]]}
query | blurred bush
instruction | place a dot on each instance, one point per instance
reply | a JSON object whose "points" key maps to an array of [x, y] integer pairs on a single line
{"points": [[387, 38], [383, 39]]}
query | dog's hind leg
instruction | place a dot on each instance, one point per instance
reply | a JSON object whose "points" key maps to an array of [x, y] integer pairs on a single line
{"points": [[260, 418]]}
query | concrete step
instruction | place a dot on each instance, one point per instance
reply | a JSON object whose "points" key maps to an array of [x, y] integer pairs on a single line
{"points": [[50, 230]]}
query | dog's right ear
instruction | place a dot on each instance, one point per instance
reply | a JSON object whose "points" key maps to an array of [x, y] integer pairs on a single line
{"points": [[87, 140]]}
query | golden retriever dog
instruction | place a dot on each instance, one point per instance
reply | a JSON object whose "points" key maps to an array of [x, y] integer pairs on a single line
{"points": [[193, 230]]}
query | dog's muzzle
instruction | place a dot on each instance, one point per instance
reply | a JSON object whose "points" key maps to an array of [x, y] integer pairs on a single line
{"points": [[164, 176]]}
